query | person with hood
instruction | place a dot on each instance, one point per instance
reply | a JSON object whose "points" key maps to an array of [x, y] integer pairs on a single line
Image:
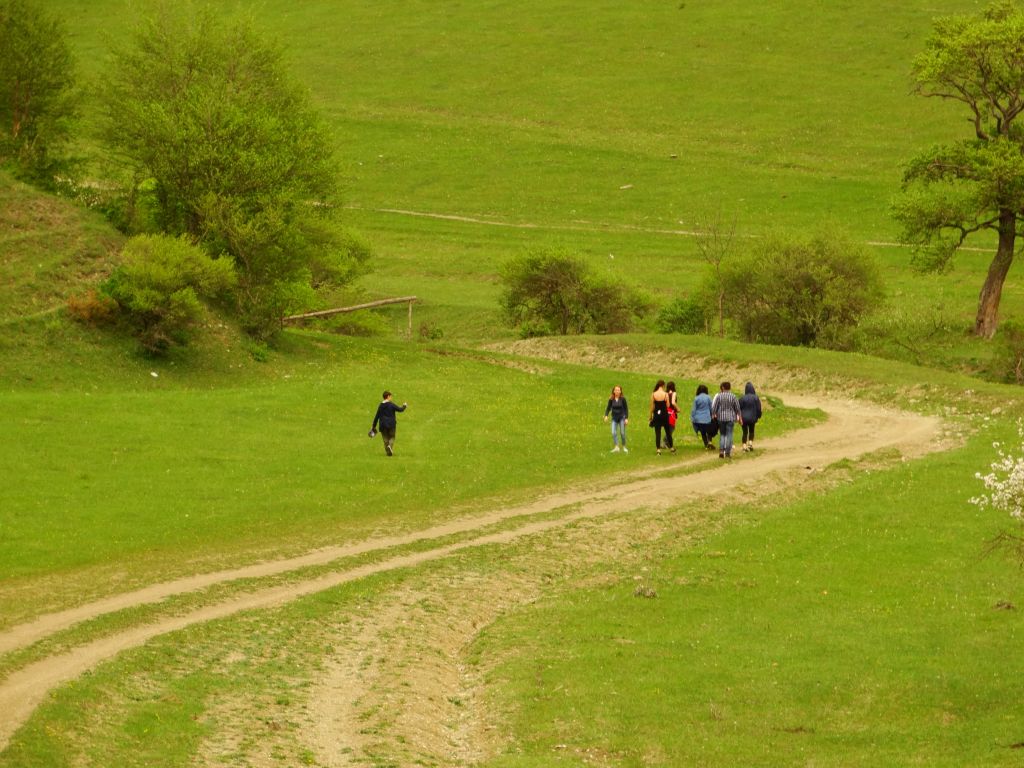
{"points": [[385, 416], [700, 416], [750, 410]]}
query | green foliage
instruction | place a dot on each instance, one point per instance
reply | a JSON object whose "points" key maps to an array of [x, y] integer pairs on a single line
{"points": [[1008, 361], [802, 292], [37, 97], [684, 315], [553, 291], [233, 153], [160, 285], [953, 191], [923, 334]]}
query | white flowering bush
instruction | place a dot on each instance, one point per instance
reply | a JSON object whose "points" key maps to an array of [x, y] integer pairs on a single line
{"points": [[1004, 489]]}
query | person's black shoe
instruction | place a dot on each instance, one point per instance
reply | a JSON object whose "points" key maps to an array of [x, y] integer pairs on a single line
{"points": [[388, 451]]}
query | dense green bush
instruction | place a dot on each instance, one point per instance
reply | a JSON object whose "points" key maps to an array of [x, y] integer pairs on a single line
{"points": [[160, 286], [802, 292], [684, 315], [553, 291]]}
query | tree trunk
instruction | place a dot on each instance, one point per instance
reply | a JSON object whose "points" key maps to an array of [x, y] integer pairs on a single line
{"points": [[991, 292]]}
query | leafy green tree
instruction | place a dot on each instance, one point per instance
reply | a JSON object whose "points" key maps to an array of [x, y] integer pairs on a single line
{"points": [[802, 292], [554, 292], [976, 184], [37, 89], [213, 126], [160, 287]]}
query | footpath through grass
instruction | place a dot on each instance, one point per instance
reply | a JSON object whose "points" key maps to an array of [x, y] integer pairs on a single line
{"points": [[858, 627], [157, 479]]}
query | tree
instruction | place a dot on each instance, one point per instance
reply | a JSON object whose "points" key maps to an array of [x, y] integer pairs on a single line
{"points": [[802, 292], [37, 96], [716, 241], [956, 190], [215, 129], [554, 292], [1004, 491]]}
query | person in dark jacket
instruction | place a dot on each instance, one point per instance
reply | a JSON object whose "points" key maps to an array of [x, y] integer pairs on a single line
{"points": [[385, 417], [750, 410], [619, 410]]}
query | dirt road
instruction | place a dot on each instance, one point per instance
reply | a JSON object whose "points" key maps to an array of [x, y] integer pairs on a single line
{"points": [[851, 430]]}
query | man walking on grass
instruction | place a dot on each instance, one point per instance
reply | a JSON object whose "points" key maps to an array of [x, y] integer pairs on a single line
{"points": [[388, 423]]}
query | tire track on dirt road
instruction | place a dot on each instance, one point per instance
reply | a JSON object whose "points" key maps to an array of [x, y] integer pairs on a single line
{"points": [[851, 430]]}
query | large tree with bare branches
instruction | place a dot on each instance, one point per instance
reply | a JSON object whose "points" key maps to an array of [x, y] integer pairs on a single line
{"points": [[976, 184]]}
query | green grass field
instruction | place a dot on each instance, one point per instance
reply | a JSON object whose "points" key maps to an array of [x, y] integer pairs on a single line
{"points": [[600, 129], [859, 627], [850, 622]]}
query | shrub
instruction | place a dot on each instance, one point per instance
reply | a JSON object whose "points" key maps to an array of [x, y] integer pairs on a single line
{"points": [[430, 331], [554, 292], [1004, 491], [684, 315], [92, 308], [1009, 351], [802, 292], [160, 285], [924, 333]]}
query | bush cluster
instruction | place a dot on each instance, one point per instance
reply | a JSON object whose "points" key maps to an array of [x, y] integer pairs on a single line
{"points": [[160, 287], [802, 292], [554, 292]]}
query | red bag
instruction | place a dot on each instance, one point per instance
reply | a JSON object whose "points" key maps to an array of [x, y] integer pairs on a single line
{"points": [[673, 414]]}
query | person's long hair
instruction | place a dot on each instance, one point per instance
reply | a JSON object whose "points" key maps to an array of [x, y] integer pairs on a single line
{"points": [[702, 389], [620, 391], [659, 385]]}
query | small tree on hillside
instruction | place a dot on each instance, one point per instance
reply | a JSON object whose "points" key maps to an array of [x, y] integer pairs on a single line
{"points": [[716, 243], [802, 292], [555, 292], [37, 97], [953, 191], [233, 153]]}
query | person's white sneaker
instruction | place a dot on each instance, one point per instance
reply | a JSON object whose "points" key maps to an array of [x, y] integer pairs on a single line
{"points": [[615, 449], [625, 449]]}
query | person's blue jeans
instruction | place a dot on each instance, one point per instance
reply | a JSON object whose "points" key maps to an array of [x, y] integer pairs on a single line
{"points": [[619, 432], [725, 437]]}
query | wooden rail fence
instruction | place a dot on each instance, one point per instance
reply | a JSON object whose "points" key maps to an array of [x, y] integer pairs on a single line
{"points": [[369, 305]]}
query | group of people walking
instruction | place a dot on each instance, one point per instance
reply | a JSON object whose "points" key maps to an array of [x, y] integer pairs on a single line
{"points": [[709, 416]]}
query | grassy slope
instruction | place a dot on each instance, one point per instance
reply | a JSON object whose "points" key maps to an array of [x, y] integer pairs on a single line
{"points": [[784, 115], [541, 115], [858, 627], [50, 249]]}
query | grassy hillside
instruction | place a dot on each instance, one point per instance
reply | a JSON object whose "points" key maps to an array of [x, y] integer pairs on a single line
{"points": [[606, 129], [51, 249]]}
